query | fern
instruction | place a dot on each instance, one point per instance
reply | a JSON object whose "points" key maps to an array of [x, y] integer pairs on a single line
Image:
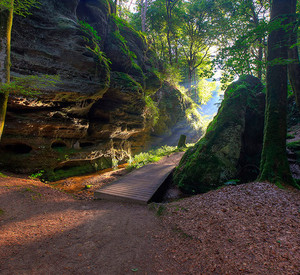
{"points": [[94, 40]]}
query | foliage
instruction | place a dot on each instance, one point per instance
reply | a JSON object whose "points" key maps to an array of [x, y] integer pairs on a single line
{"points": [[178, 33], [94, 41], [242, 42], [29, 85], [124, 46], [126, 81], [192, 113], [122, 24], [21, 7], [202, 93], [172, 75], [153, 109], [37, 175], [154, 155]]}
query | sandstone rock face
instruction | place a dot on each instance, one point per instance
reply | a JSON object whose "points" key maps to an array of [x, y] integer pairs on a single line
{"points": [[232, 146], [92, 116], [176, 117]]}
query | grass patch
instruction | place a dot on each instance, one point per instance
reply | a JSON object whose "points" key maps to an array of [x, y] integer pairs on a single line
{"points": [[1, 212], [154, 155]]}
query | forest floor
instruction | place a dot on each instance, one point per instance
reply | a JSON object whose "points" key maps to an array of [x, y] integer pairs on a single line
{"points": [[246, 229], [251, 228]]}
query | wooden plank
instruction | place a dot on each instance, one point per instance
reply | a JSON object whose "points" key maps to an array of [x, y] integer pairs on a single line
{"points": [[140, 185]]}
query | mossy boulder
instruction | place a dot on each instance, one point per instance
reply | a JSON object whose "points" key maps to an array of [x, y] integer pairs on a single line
{"points": [[232, 145]]}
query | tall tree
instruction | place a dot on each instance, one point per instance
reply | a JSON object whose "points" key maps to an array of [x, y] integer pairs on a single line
{"points": [[7, 10], [144, 5], [195, 37], [170, 4], [242, 40], [5, 64], [274, 164], [293, 54]]}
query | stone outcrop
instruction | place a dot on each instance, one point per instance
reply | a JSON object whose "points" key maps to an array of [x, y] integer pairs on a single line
{"points": [[177, 115], [92, 116], [232, 145]]}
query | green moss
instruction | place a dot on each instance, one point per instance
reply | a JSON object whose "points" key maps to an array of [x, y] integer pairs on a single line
{"points": [[93, 41], [152, 110], [136, 70], [69, 172], [76, 169], [124, 26], [125, 81], [152, 82], [137, 73], [1, 212]]}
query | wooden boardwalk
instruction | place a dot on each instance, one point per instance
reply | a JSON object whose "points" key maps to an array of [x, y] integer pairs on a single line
{"points": [[140, 185]]}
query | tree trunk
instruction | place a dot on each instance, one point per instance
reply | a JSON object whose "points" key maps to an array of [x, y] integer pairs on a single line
{"points": [[190, 77], [294, 68], [169, 17], [181, 141], [274, 164], [259, 60], [143, 15], [7, 64]]}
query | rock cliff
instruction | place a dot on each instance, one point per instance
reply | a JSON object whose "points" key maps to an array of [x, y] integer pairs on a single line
{"points": [[92, 116]]}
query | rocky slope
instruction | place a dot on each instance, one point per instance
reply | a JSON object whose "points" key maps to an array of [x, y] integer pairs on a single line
{"points": [[93, 115]]}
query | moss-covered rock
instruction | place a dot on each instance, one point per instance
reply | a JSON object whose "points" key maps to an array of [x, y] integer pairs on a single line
{"points": [[93, 111], [71, 168], [232, 145], [152, 82]]}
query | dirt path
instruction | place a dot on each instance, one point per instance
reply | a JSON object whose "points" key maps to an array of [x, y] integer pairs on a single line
{"points": [[44, 231]]}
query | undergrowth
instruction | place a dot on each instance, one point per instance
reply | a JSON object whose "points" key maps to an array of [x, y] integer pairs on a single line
{"points": [[154, 155]]}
